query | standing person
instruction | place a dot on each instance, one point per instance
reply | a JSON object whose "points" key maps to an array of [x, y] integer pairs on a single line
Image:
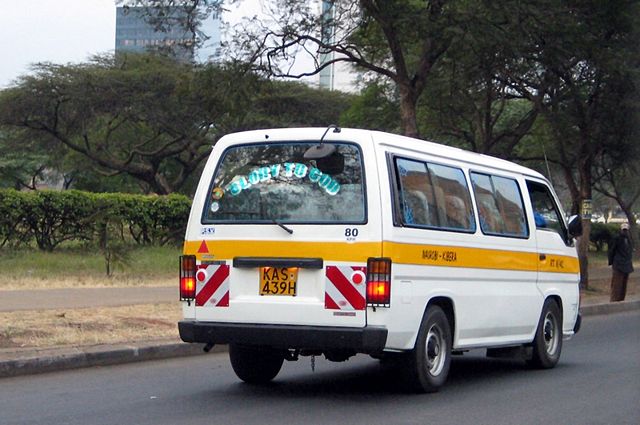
{"points": [[620, 258]]}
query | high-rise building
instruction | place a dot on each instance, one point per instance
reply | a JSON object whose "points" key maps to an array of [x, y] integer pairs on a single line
{"points": [[336, 76], [135, 34]]}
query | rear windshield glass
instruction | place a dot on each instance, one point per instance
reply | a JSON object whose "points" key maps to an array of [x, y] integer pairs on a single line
{"points": [[288, 183]]}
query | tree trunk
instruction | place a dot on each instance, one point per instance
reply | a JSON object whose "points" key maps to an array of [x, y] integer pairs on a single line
{"points": [[584, 170], [408, 110], [583, 253]]}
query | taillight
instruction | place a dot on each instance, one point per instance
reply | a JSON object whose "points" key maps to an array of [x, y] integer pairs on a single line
{"points": [[187, 277], [379, 282]]}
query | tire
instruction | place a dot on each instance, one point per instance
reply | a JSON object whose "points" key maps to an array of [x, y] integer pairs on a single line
{"points": [[427, 365], [253, 364], [547, 344]]}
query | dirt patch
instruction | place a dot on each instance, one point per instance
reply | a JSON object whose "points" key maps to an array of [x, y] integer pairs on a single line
{"points": [[108, 325], [6, 342], [144, 323], [600, 285]]}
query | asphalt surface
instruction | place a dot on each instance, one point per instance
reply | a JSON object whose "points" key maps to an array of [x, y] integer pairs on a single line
{"points": [[596, 382]]}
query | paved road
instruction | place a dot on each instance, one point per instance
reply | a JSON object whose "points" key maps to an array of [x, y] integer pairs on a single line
{"points": [[46, 299], [597, 382]]}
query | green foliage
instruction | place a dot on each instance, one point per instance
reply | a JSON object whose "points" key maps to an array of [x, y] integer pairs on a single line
{"points": [[49, 218], [144, 121], [293, 104], [602, 234], [14, 211], [375, 109], [56, 217]]}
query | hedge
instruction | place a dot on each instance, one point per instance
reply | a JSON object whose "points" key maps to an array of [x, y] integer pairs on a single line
{"points": [[49, 218]]}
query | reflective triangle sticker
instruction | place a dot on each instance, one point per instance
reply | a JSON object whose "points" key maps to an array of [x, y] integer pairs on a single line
{"points": [[203, 248]]}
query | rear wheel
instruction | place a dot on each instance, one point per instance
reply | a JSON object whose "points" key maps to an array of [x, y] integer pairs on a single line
{"points": [[428, 363], [547, 344], [253, 364]]}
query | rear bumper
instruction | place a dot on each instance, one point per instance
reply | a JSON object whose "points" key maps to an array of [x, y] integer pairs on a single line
{"points": [[368, 340]]}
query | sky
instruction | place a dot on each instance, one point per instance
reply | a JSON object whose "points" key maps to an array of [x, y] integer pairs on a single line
{"points": [[59, 31]]}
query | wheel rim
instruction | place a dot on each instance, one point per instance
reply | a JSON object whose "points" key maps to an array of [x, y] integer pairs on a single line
{"points": [[435, 350], [550, 334]]}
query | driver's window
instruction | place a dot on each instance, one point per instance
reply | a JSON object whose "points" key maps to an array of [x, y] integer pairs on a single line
{"points": [[545, 212]]}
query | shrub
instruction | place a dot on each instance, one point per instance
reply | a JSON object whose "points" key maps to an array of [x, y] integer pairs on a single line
{"points": [[50, 218], [14, 209], [602, 234]]}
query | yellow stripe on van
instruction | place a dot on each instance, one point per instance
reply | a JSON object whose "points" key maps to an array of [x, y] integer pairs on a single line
{"points": [[559, 264], [455, 256], [359, 252], [480, 258]]}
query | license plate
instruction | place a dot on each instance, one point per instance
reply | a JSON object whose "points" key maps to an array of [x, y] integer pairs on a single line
{"points": [[278, 280]]}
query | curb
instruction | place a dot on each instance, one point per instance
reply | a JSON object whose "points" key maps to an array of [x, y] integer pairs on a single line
{"points": [[609, 308], [52, 360]]}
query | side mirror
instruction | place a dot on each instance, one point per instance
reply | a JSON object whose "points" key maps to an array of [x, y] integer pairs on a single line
{"points": [[575, 226]]}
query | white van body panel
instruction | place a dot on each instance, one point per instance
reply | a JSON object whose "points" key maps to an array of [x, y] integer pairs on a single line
{"points": [[308, 306]]}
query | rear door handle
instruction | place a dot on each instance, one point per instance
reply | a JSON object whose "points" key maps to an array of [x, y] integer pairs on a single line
{"points": [[543, 257]]}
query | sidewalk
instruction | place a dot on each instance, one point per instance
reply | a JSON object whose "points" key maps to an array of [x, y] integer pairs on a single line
{"points": [[49, 299]]}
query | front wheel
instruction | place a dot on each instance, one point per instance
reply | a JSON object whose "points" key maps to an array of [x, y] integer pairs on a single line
{"points": [[547, 344], [255, 365], [428, 363]]}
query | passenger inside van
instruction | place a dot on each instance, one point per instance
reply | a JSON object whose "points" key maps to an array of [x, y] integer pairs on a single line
{"points": [[456, 212]]}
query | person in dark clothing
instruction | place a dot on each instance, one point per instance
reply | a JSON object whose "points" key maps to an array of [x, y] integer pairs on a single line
{"points": [[620, 253]]}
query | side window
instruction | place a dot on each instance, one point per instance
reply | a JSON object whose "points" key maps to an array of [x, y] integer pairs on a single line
{"points": [[434, 196], [500, 206], [416, 195], [545, 211], [454, 200]]}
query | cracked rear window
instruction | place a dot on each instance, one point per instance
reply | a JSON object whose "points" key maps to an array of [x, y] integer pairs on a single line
{"points": [[288, 183]]}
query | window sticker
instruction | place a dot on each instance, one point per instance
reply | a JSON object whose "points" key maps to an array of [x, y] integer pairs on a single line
{"points": [[207, 230], [217, 193], [288, 169]]}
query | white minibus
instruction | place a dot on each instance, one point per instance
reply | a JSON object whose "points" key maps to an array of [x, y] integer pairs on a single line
{"points": [[329, 241]]}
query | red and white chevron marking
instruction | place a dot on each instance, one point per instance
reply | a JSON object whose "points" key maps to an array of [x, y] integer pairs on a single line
{"points": [[212, 285], [345, 288]]}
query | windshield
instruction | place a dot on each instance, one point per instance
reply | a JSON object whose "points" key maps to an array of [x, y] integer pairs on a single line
{"points": [[281, 183]]}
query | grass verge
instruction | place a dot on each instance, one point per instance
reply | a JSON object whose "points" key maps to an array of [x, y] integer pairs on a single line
{"points": [[108, 325], [78, 267]]}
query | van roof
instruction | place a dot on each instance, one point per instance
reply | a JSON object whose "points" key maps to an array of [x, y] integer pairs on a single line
{"points": [[382, 139]]}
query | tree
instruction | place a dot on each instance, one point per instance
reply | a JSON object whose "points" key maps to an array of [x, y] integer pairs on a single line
{"points": [[582, 56], [294, 104], [618, 171], [398, 40], [27, 161], [467, 102], [376, 108], [141, 115], [149, 118]]}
